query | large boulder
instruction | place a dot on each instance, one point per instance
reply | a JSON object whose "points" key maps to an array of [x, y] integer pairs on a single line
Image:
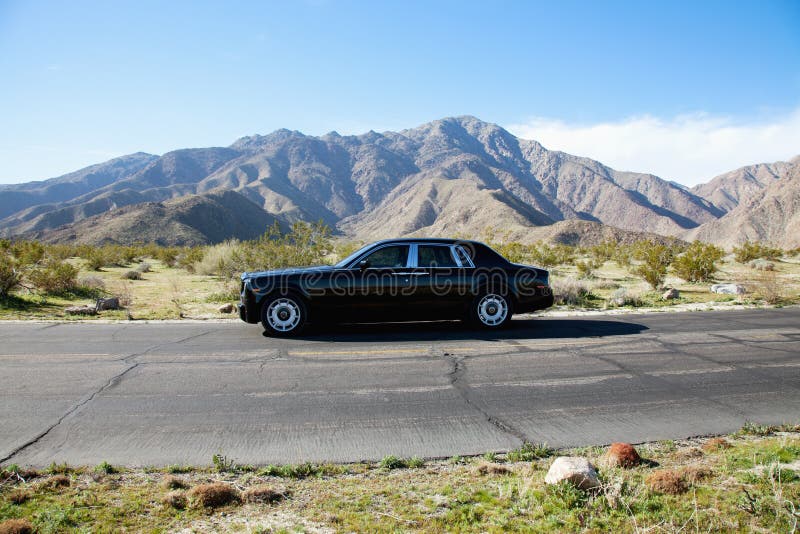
{"points": [[576, 470], [728, 289], [111, 303], [622, 455], [671, 294]]}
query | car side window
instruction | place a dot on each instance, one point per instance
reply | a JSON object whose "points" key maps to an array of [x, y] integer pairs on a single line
{"points": [[435, 256], [466, 261], [394, 256]]}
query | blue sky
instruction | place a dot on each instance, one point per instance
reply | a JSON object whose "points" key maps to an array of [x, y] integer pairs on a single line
{"points": [[634, 84]]}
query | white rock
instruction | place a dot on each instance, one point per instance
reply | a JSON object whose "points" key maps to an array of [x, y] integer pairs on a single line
{"points": [[578, 471], [728, 289], [670, 294]]}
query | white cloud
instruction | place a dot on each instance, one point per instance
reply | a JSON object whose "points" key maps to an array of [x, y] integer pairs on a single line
{"points": [[688, 149]]}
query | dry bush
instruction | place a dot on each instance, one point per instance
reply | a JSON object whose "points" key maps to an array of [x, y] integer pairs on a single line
{"points": [[695, 473], [173, 482], [175, 499], [262, 495], [19, 496], [623, 455], [767, 286], [572, 292], [488, 468], [716, 444], [761, 265], [626, 297], [688, 454], [667, 481], [16, 526], [131, 275], [91, 282], [56, 481], [217, 259], [144, 267], [214, 494]]}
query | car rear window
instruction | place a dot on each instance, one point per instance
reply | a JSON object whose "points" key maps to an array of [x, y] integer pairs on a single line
{"points": [[435, 256]]}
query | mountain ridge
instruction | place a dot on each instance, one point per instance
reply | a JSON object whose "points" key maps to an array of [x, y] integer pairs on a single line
{"points": [[456, 175]]}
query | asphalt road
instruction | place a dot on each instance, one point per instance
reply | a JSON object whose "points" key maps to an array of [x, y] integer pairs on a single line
{"points": [[157, 394]]}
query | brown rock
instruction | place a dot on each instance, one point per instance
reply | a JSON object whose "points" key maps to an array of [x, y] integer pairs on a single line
{"points": [[226, 308], [623, 455]]}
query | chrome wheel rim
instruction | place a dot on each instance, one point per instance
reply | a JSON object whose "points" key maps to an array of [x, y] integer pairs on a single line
{"points": [[492, 309], [283, 314]]}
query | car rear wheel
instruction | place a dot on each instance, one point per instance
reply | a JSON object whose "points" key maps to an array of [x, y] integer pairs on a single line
{"points": [[490, 310], [284, 315]]}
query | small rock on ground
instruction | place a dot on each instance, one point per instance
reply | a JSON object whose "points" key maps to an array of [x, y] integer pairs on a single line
{"points": [[576, 470]]}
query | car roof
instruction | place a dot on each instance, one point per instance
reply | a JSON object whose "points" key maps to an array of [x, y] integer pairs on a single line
{"points": [[441, 240]]}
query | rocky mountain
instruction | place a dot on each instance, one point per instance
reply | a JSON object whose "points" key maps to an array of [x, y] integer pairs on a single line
{"points": [[188, 220], [769, 213], [727, 190], [450, 176]]}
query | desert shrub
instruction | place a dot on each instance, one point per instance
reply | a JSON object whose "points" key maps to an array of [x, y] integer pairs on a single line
{"points": [[624, 297], [393, 462], [667, 481], [27, 252], [698, 263], [603, 252], [546, 255], [487, 468], [571, 292], [654, 258], [175, 499], [623, 255], [167, 255], [173, 482], [767, 286], [16, 526], [91, 282], [54, 277], [144, 267], [96, 259], [586, 268], [219, 260], [262, 494], [132, 275], [214, 494], [10, 276], [748, 251], [529, 452], [761, 265], [188, 257]]}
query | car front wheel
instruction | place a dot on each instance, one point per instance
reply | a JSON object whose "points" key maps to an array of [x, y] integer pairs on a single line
{"points": [[490, 310], [284, 315]]}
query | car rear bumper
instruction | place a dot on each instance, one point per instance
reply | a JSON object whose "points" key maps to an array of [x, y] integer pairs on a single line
{"points": [[541, 300]]}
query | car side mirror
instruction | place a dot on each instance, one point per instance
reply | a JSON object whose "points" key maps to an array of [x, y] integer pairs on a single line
{"points": [[363, 264]]}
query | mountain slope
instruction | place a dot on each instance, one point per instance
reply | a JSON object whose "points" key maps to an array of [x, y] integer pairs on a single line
{"points": [[450, 176], [727, 190], [771, 214], [190, 220], [56, 190]]}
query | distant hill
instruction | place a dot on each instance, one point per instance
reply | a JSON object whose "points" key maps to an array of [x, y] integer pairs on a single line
{"points": [[454, 176], [770, 214], [189, 220]]}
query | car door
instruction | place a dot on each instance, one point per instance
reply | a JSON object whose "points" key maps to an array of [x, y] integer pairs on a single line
{"points": [[380, 283], [440, 281]]}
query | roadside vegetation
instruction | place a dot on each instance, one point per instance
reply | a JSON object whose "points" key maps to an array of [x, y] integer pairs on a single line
{"points": [[748, 481], [38, 281]]}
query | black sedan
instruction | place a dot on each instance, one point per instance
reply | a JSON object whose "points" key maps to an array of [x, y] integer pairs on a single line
{"points": [[397, 280]]}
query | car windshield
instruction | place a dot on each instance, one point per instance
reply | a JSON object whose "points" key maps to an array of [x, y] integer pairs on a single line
{"points": [[354, 255]]}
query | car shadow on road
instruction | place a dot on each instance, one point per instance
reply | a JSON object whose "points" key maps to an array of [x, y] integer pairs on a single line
{"points": [[522, 328]]}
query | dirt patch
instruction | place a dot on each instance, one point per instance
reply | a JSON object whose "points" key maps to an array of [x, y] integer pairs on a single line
{"points": [[716, 444]]}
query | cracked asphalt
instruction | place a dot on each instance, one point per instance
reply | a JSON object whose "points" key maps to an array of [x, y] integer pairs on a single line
{"points": [[158, 394]]}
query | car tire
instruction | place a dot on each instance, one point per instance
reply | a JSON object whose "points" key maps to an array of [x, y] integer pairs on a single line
{"points": [[284, 315], [490, 310]]}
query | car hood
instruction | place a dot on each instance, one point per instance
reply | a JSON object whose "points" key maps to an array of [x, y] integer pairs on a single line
{"points": [[284, 272]]}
